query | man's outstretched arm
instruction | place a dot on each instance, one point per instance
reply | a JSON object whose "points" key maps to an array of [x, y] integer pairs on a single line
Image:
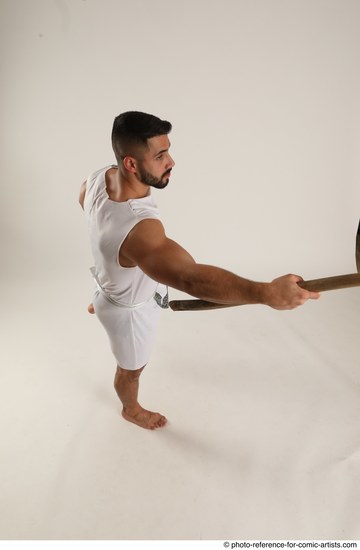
{"points": [[167, 262]]}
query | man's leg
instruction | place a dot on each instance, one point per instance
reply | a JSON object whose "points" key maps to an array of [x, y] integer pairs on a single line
{"points": [[126, 384]]}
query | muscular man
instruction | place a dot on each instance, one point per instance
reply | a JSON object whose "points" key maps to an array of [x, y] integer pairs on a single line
{"points": [[134, 258]]}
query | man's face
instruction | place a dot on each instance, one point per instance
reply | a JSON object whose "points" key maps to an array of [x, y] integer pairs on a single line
{"points": [[155, 167]]}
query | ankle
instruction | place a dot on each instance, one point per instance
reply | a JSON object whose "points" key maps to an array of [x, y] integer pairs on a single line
{"points": [[133, 410]]}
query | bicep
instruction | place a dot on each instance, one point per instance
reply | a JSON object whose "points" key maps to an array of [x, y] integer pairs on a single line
{"points": [[169, 264], [161, 258]]}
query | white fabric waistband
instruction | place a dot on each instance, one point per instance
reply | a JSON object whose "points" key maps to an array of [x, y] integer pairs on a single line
{"points": [[163, 302]]}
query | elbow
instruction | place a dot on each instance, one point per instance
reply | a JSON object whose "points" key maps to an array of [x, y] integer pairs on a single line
{"points": [[188, 282]]}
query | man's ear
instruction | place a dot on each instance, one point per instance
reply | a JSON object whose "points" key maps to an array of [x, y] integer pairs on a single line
{"points": [[129, 164]]}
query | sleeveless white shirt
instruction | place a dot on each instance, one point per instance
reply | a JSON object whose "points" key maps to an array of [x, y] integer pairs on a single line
{"points": [[109, 223]]}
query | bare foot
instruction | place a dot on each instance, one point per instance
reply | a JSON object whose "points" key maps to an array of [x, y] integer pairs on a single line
{"points": [[145, 419], [91, 308]]}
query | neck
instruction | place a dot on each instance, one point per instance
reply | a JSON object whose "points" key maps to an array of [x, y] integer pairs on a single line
{"points": [[121, 187]]}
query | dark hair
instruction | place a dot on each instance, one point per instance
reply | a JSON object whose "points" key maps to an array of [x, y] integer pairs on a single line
{"points": [[132, 129]]}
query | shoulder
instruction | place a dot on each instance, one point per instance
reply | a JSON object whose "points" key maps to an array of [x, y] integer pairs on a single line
{"points": [[144, 238], [95, 174], [148, 230], [90, 182], [144, 208], [82, 194]]}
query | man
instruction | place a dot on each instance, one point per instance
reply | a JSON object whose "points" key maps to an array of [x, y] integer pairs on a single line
{"points": [[132, 254]]}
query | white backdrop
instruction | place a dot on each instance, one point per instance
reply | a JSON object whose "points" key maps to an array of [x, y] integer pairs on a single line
{"points": [[263, 96]]}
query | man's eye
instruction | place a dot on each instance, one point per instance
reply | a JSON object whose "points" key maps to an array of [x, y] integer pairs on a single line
{"points": [[159, 157]]}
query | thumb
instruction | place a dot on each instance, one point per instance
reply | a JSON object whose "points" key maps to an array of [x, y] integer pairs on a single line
{"points": [[311, 295], [314, 295]]}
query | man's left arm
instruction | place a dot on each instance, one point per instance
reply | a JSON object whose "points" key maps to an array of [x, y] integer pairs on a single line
{"points": [[82, 194]]}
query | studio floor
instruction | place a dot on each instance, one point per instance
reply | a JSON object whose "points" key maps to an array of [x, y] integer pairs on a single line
{"points": [[263, 439]]}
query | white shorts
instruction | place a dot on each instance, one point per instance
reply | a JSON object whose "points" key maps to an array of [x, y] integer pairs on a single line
{"points": [[131, 331]]}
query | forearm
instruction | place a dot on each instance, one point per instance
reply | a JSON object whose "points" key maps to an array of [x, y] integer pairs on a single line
{"points": [[219, 285]]}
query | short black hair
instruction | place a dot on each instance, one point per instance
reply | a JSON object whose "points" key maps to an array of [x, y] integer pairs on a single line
{"points": [[132, 129]]}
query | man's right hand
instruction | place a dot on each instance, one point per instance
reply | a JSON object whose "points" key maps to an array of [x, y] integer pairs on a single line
{"points": [[285, 293]]}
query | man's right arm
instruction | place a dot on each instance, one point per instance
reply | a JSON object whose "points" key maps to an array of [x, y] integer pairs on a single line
{"points": [[167, 262]]}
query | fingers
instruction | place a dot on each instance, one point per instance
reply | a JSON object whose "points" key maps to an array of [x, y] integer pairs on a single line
{"points": [[296, 278], [308, 294], [288, 294]]}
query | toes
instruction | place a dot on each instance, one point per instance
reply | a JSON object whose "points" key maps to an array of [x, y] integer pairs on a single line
{"points": [[161, 422], [157, 422]]}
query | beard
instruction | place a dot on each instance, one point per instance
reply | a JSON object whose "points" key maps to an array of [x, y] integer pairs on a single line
{"points": [[148, 179]]}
